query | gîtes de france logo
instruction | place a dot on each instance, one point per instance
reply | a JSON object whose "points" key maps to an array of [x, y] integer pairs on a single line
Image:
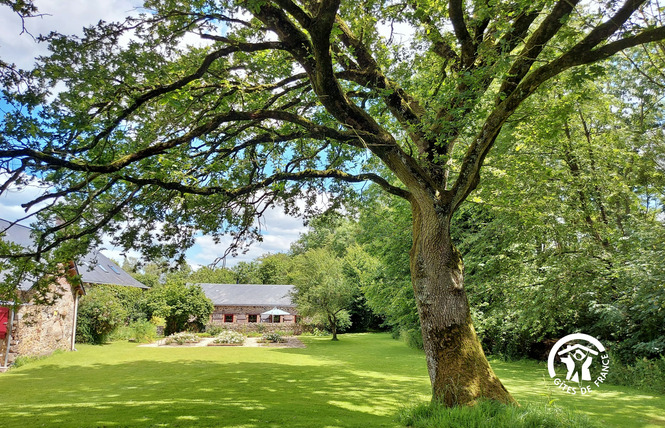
{"points": [[586, 361]]}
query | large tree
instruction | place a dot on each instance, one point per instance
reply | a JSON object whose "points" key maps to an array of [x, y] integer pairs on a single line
{"points": [[150, 139], [322, 292]]}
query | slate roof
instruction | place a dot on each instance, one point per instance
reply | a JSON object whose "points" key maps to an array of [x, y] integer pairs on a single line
{"points": [[94, 267], [20, 235], [248, 294]]}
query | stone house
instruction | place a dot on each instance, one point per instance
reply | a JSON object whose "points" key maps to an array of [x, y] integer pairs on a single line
{"points": [[248, 303], [28, 328]]}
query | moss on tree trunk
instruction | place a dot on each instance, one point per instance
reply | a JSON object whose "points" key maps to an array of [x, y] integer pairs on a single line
{"points": [[458, 369]]}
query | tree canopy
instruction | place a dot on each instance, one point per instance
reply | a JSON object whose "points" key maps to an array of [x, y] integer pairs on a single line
{"points": [[148, 137], [146, 129]]}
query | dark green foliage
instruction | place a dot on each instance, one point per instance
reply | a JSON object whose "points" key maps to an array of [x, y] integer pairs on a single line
{"points": [[335, 238], [183, 306], [214, 329], [274, 268], [99, 313], [563, 236], [322, 292], [491, 414], [384, 231], [246, 273], [132, 300], [644, 374]]}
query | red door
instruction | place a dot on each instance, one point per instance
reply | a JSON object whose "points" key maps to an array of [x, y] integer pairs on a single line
{"points": [[4, 319]]}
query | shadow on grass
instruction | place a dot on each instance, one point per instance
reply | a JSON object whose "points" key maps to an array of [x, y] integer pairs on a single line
{"points": [[611, 405], [201, 392]]}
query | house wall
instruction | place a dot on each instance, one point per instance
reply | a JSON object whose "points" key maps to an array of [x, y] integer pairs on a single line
{"points": [[240, 314], [42, 329]]}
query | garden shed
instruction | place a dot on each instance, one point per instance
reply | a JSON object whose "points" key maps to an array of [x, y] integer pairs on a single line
{"points": [[29, 327], [248, 303]]}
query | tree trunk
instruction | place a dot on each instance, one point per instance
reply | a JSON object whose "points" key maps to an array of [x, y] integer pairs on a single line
{"points": [[458, 369], [333, 326]]}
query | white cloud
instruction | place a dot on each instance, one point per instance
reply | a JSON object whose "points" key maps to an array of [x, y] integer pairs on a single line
{"points": [[63, 16], [279, 232], [12, 198]]}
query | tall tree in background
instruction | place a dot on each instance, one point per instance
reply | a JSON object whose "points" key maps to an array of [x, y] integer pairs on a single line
{"points": [[567, 232], [152, 140], [322, 293]]}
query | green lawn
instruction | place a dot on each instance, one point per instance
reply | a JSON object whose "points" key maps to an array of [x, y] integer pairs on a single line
{"points": [[360, 381]]}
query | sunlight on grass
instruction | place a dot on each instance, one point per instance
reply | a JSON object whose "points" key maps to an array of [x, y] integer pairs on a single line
{"points": [[361, 381], [611, 405], [334, 384]]}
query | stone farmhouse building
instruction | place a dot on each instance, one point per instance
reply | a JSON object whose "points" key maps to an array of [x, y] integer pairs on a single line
{"points": [[242, 304], [28, 328]]}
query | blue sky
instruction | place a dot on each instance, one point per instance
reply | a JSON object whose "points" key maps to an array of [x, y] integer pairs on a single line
{"points": [[68, 17]]}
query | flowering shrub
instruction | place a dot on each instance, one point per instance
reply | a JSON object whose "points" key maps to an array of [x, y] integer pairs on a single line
{"points": [[230, 337], [182, 338], [273, 337]]}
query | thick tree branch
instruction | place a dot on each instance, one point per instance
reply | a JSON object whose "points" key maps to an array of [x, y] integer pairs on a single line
{"points": [[580, 54], [315, 57], [512, 38], [605, 30], [606, 51], [303, 17], [356, 138], [403, 106], [536, 43], [181, 83], [456, 13], [308, 174]]}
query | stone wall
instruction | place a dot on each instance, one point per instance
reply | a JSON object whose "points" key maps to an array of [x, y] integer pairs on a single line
{"points": [[290, 328], [241, 314], [41, 329], [242, 322]]}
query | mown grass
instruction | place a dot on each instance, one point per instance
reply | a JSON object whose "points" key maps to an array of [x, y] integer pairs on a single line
{"points": [[610, 405], [361, 381]]}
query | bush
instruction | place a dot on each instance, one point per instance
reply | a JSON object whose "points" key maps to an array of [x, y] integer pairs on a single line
{"points": [[99, 314], [644, 374], [273, 338], [182, 338], [488, 413], [143, 331], [123, 332], [230, 337], [132, 300], [183, 307], [412, 337], [214, 329]]}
